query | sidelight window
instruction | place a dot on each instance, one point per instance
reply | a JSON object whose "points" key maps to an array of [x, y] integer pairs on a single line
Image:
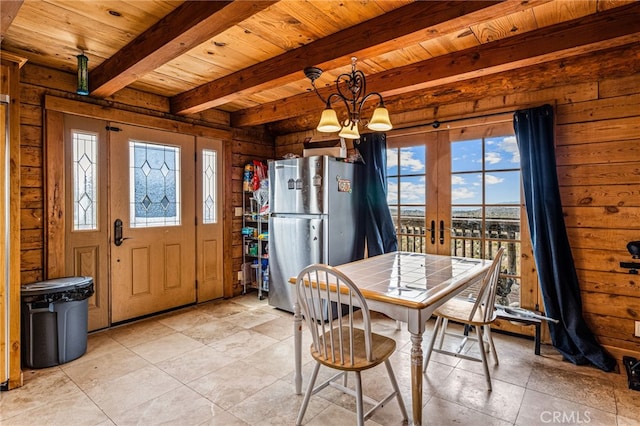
{"points": [[85, 180], [209, 182]]}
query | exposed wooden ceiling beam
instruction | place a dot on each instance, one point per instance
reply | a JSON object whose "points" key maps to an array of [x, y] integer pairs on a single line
{"points": [[401, 27], [612, 63], [8, 11], [603, 30], [189, 25]]}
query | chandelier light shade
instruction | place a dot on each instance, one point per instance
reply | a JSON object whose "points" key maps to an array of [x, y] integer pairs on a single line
{"points": [[329, 121], [83, 75], [380, 120], [349, 132], [351, 89]]}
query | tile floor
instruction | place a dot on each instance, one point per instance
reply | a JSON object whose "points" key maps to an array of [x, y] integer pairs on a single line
{"points": [[231, 363]]}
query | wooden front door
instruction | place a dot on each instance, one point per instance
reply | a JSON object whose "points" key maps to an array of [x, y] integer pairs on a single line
{"points": [[169, 235], [152, 203]]}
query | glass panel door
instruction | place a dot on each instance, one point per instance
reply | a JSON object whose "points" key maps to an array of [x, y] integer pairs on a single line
{"points": [[458, 191], [417, 191], [486, 204]]}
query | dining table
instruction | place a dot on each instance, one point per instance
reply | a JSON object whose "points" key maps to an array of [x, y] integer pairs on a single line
{"points": [[407, 287]]}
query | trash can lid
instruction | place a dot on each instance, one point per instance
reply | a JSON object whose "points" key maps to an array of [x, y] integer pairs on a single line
{"points": [[55, 285]]}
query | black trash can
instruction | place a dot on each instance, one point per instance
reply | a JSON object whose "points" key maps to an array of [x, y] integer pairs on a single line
{"points": [[55, 320]]}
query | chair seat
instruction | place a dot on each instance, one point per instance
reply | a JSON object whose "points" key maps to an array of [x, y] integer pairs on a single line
{"points": [[382, 348], [460, 310]]}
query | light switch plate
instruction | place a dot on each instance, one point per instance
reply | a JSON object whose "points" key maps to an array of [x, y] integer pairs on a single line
{"points": [[637, 332], [238, 211], [239, 275]]}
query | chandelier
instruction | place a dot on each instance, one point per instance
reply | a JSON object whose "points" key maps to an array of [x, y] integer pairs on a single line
{"points": [[351, 90]]}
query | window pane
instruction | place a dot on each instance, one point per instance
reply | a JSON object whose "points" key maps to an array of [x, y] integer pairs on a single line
{"points": [[466, 188], [412, 190], [503, 222], [412, 160], [392, 161], [466, 156], [501, 153], [502, 187], [392, 190], [466, 222], [85, 181], [412, 231], [155, 185], [209, 178]]}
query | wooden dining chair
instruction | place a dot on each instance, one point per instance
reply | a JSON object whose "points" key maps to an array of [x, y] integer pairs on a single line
{"points": [[329, 302], [478, 313]]}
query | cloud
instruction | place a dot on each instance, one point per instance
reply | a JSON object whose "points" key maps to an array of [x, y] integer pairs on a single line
{"points": [[492, 157], [406, 160], [462, 193], [411, 192], [457, 180], [509, 144], [492, 179]]}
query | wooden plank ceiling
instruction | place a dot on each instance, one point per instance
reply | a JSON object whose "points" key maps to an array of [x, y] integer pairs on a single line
{"points": [[246, 58]]}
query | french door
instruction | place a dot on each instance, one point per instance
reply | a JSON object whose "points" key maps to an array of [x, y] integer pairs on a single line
{"points": [[419, 182], [457, 192]]}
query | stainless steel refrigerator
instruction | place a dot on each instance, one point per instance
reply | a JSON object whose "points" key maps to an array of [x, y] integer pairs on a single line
{"points": [[313, 219]]}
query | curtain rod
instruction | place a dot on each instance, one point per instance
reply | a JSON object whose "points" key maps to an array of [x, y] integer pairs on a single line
{"points": [[436, 123]]}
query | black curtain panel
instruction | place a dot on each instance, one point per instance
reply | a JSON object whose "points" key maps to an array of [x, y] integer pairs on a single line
{"points": [[556, 271], [375, 216]]}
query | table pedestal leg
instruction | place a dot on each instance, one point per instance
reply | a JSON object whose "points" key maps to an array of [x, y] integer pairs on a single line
{"points": [[297, 343], [416, 377]]}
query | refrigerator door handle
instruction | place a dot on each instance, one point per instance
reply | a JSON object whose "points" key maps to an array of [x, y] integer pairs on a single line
{"points": [[442, 232]]}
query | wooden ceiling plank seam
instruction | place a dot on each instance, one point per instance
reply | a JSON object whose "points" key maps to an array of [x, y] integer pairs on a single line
{"points": [[384, 32], [574, 37], [187, 26]]}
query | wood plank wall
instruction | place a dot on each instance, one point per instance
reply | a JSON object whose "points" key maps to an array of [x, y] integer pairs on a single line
{"points": [[598, 131], [36, 82], [598, 164]]}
